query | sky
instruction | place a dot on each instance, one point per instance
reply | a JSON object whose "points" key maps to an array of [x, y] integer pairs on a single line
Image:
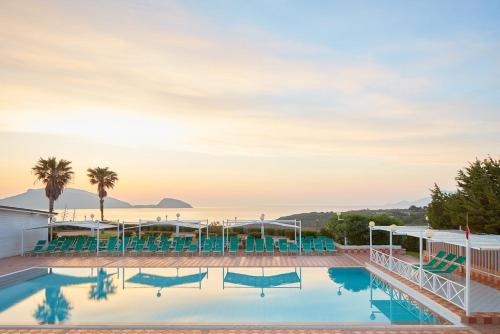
{"points": [[227, 103]]}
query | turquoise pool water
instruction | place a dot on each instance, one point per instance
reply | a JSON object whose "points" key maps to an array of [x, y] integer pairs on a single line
{"points": [[201, 295]]}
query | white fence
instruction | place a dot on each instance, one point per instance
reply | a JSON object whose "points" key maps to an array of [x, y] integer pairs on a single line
{"points": [[449, 290]]}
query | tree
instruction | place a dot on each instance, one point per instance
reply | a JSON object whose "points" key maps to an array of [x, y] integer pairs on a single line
{"points": [[477, 198], [105, 179], [354, 226], [55, 175]]}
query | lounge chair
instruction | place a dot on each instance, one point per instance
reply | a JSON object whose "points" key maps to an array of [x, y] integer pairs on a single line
{"points": [[152, 247], [179, 247], [139, 247], [447, 260], [110, 246], [319, 247], [293, 248], [218, 247], [439, 256], [233, 246], [250, 246], [330, 246], [66, 245], [283, 248], [207, 246], [192, 249], [79, 246], [269, 246], [453, 266], [307, 248], [259, 246], [40, 245]]}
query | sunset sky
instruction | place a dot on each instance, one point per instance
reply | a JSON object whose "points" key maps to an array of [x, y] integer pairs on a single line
{"points": [[224, 103]]}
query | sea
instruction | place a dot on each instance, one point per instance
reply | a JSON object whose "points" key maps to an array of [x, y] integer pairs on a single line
{"points": [[212, 214]]}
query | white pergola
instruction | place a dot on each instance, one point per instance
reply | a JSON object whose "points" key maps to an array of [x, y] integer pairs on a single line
{"points": [[232, 223], [194, 224], [426, 279], [85, 224]]}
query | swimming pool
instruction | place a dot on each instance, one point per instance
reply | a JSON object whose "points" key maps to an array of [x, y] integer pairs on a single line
{"points": [[204, 295]]}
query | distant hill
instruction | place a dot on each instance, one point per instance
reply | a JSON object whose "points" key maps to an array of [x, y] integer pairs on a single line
{"points": [[406, 204], [70, 198], [166, 203], [73, 198]]}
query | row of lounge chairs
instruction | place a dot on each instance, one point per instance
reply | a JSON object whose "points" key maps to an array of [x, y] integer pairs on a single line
{"points": [[443, 263], [73, 245]]}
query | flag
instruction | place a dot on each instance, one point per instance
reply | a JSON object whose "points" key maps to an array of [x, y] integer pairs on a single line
{"points": [[467, 231]]}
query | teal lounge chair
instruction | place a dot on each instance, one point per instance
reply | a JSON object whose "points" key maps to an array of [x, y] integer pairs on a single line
{"points": [[66, 245], [179, 247], [447, 260], [439, 256], [330, 246], [319, 247], [292, 248], [218, 248], [39, 247], [233, 246], [79, 246], [283, 248], [250, 246], [110, 245], [152, 247], [453, 266], [307, 248], [164, 247], [192, 249], [139, 247], [269, 246], [259, 246], [207, 246]]}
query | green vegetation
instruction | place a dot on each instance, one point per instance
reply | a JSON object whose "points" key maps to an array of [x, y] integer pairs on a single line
{"points": [[477, 197], [105, 179], [55, 175]]}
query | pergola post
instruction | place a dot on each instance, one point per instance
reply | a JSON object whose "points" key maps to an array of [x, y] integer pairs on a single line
{"points": [[390, 250], [371, 242], [223, 243], [123, 238], [98, 235], [420, 271], [467, 278], [300, 240], [199, 238]]}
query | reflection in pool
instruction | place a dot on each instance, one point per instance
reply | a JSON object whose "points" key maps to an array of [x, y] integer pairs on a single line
{"points": [[208, 295]]}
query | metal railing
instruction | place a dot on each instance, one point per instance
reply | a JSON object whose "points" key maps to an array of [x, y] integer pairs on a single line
{"points": [[441, 286]]}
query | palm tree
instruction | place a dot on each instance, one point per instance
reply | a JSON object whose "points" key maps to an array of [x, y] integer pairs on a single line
{"points": [[55, 175], [105, 179]]}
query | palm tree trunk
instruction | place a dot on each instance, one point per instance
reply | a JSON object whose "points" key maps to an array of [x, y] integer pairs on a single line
{"points": [[101, 204], [51, 205]]}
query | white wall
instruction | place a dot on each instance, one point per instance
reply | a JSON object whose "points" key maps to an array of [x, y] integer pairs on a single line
{"points": [[11, 225]]}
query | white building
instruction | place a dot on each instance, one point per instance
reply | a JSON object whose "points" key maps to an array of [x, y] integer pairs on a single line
{"points": [[13, 221]]}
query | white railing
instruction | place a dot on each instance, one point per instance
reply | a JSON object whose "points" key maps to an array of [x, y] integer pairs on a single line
{"points": [[441, 286]]}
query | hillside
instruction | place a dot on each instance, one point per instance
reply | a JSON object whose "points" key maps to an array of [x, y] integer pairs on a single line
{"points": [[73, 198]]}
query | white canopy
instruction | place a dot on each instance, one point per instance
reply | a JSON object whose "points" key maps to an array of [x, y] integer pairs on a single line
{"points": [[88, 224], [453, 237]]}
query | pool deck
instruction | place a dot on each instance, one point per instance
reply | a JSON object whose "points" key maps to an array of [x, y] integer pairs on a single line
{"points": [[17, 263]]}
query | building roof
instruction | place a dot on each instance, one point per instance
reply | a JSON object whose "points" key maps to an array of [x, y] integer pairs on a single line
{"points": [[31, 211]]}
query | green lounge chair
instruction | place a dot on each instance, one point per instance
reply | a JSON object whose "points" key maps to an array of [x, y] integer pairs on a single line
{"points": [[283, 248], [233, 246], [453, 266], [39, 247], [259, 246], [92, 248], [330, 246], [269, 246], [139, 247], [164, 247], [447, 260], [439, 256], [110, 245], [307, 248], [292, 248], [319, 247], [79, 246], [65, 246], [250, 246], [179, 247], [218, 247], [207, 246], [192, 249]]}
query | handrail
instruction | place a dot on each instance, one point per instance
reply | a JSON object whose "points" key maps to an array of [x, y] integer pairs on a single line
{"points": [[441, 286]]}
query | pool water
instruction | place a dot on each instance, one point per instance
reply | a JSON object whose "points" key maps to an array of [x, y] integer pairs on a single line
{"points": [[204, 295]]}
